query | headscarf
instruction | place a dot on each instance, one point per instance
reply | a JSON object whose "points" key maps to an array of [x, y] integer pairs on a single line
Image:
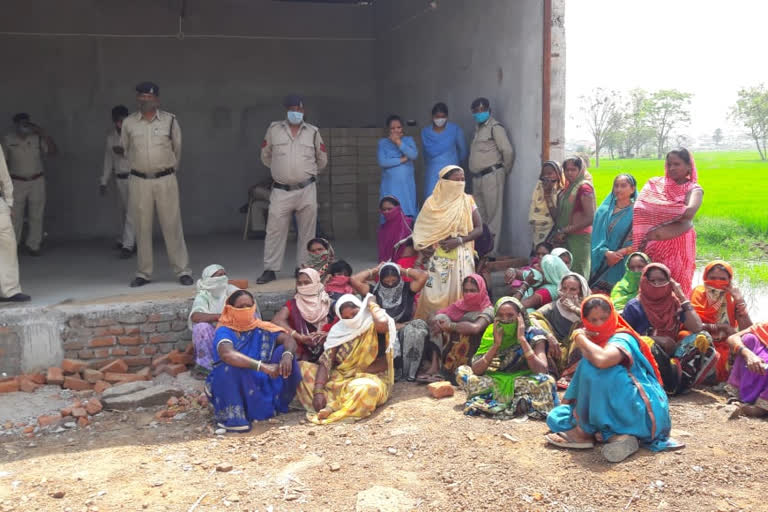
{"points": [[391, 297], [244, 320], [538, 214], [661, 200], [559, 251], [569, 309], [713, 303], [446, 213], [567, 197], [616, 324], [347, 329], [554, 269], [660, 304], [312, 300], [509, 338], [626, 288], [321, 262], [469, 302], [396, 227], [620, 228], [212, 293], [338, 284]]}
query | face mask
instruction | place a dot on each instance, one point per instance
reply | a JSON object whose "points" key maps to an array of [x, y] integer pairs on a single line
{"points": [[295, 117], [217, 284], [440, 121], [481, 117], [240, 319], [147, 105], [25, 129]]}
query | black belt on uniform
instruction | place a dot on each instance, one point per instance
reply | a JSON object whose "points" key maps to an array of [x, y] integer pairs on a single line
{"points": [[486, 171], [160, 174], [122, 176], [30, 178], [297, 186]]}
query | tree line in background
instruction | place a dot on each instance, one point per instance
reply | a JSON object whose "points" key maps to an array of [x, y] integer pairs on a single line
{"points": [[643, 123]]}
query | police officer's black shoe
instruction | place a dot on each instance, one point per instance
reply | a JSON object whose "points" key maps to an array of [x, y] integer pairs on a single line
{"points": [[186, 280], [266, 277], [139, 281], [19, 297]]}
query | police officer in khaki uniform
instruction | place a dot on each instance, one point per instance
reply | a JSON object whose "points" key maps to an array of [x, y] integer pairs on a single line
{"points": [[10, 291], [116, 164], [294, 152], [25, 149], [490, 160], [151, 139]]}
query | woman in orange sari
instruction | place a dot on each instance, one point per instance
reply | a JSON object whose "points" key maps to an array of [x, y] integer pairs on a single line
{"points": [[722, 309]]}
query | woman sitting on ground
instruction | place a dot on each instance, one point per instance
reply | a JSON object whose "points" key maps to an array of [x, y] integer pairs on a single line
{"points": [[543, 210], [395, 228], [560, 318], [668, 323], [508, 375], [397, 298], [612, 235], [722, 308], [213, 288], [457, 329], [748, 382], [337, 284], [626, 289], [616, 395], [540, 288], [355, 374], [505, 263], [445, 232], [254, 374], [307, 316], [321, 256]]}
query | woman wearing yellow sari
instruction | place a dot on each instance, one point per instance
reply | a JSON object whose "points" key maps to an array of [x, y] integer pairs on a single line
{"points": [[444, 233], [355, 374]]}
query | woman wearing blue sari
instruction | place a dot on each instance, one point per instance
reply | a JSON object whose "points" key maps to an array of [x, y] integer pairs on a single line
{"points": [[396, 155], [443, 144], [612, 234], [254, 374], [616, 395]]}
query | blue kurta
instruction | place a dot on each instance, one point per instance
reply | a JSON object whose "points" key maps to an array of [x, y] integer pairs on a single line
{"points": [[611, 402], [397, 179], [242, 395], [440, 149], [610, 232]]}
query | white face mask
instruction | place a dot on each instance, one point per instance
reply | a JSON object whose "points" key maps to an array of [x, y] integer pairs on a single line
{"points": [[440, 121]]}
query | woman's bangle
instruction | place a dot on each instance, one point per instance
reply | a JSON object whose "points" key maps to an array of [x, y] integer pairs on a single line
{"points": [[288, 353], [452, 326], [293, 332], [461, 240], [256, 365], [528, 353]]}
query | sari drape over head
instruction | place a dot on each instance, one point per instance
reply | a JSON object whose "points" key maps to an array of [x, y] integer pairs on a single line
{"points": [[396, 227], [538, 214], [611, 232], [626, 289]]}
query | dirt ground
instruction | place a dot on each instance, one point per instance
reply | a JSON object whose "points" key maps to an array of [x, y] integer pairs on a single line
{"points": [[435, 456]]}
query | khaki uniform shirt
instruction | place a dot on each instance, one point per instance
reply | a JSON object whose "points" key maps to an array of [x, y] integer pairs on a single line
{"points": [[490, 146], [25, 155], [152, 146], [293, 160], [114, 163], [6, 184]]}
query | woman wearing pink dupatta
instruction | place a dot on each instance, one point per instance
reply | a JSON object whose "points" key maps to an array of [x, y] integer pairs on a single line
{"points": [[663, 217], [395, 228]]}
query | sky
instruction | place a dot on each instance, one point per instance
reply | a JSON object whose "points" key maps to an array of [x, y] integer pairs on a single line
{"points": [[710, 48]]}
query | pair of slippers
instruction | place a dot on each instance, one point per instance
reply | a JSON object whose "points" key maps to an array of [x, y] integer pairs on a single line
{"points": [[616, 450]]}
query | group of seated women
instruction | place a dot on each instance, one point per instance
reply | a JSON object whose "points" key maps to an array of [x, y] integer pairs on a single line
{"points": [[617, 346]]}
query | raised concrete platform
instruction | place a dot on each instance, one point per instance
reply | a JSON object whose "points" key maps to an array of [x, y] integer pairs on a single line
{"points": [[83, 308]]}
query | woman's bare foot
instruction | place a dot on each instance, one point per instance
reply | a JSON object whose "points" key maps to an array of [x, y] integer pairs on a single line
{"points": [[752, 411]]}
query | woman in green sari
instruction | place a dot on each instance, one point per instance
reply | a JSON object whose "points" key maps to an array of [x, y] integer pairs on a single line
{"points": [[508, 375], [626, 289], [575, 215]]}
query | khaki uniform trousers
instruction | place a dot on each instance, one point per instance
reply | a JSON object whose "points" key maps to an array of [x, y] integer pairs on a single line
{"points": [[146, 195], [29, 194], [128, 238], [488, 192], [282, 205], [9, 262]]}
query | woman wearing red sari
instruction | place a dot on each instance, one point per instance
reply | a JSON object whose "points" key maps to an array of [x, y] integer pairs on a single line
{"points": [[663, 217]]}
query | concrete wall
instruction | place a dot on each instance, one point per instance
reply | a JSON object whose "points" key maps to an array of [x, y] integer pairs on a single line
{"points": [[455, 53], [224, 91]]}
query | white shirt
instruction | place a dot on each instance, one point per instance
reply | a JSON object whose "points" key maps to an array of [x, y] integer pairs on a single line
{"points": [[113, 162]]}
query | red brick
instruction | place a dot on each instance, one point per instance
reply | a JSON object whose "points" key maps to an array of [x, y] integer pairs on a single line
{"points": [[67, 411], [118, 351], [160, 360], [93, 406], [157, 370], [73, 345], [37, 378], [161, 317], [163, 338], [92, 376], [113, 330], [76, 384], [240, 283], [29, 429], [145, 372], [79, 412], [178, 325], [101, 353], [175, 369], [190, 349], [104, 341], [440, 389], [130, 340], [54, 376], [85, 354], [27, 385], [9, 386], [101, 363], [131, 330], [117, 366], [122, 377], [44, 421], [100, 386], [138, 361], [83, 421], [150, 350], [71, 366], [133, 351]]}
